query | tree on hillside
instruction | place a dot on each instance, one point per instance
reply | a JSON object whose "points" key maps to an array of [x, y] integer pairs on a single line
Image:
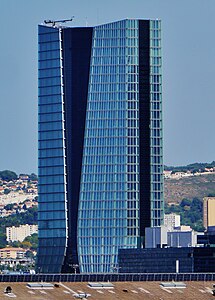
{"points": [[33, 240], [185, 202], [8, 175], [33, 177]]}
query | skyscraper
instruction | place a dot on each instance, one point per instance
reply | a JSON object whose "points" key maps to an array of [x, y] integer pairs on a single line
{"points": [[100, 142]]}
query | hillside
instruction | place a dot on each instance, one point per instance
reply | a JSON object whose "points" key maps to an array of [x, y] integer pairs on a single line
{"points": [[189, 187]]}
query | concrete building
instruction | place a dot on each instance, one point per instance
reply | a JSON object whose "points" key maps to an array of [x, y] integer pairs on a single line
{"points": [[21, 232], [10, 252], [208, 212], [156, 237], [172, 220], [167, 260], [182, 238]]}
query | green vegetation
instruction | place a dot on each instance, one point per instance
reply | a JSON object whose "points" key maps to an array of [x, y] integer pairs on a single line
{"points": [[8, 175], [6, 191], [28, 217], [196, 167], [191, 212], [33, 177], [30, 242]]}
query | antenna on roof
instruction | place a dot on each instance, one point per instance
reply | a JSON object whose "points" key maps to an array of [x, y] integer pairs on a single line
{"points": [[53, 22]]}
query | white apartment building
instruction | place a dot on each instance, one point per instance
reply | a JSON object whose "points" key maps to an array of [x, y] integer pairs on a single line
{"points": [[21, 232], [172, 220]]}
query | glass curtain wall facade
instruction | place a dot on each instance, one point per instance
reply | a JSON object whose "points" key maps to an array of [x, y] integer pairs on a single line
{"points": [[121, 185], [106, 117], [52, 209]]}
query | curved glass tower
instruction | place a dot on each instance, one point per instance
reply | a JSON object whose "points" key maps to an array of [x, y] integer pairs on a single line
{"points": [[108, 125]]}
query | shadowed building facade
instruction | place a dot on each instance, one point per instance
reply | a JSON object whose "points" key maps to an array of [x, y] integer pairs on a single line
{"points": [[100, 142]]}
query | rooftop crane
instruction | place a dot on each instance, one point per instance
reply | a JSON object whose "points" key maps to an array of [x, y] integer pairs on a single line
{"points": [[53, 22]]}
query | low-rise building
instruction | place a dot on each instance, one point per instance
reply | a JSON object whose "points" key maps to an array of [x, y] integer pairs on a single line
{"points": [[21, 232], [208, 212], [167, 260], [172, 220], [10, 252]]}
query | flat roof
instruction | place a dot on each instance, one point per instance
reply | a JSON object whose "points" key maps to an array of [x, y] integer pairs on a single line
{"points": [[121, 290]]}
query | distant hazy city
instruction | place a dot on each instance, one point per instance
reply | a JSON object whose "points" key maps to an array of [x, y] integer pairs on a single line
{"points": [[19, 196]]}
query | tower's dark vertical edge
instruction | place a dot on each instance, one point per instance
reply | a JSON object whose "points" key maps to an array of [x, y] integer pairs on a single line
{"points": [[77, 44], [144, 124]]}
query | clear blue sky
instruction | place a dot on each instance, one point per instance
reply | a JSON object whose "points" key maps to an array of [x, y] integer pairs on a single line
{"points": [[188, 72]]}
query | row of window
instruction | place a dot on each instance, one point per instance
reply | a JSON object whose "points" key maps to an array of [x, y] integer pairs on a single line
{"points": [[111, 98], [155, 43], [51, 117], [114, 170], [156, 34], [156, 141], [156, 186], [134, 204], [116, 123], [155, 69], [50, 108], [52, 179], [156, 213], [46, 64], [49, 73], [54, 250], [51, 215], [54, 233], [102, 141], [101, 104], [105, 150], [112, 132], [48, 82], [112, 230], [50, 126], [157, 88], [155, 52], [47, 46], [51, 144], [50, 90], [52, 99], [110, 159], [111, 114], [157, 204], [157, 195], [119, 41], [50, 135], [49, 37], [102, 174], [128, 23], [112, 190], [156, 159], [155, 24], [155, 96], [55, 197], [117, 195], [50, 54], [52, 206], [51, 188], [114, 78], [156, 106], [108, 185], [46, 162], [115, 87]]}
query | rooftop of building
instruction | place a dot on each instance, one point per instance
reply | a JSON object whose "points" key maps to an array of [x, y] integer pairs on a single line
{"points": [[120, 290], [61, 23]]}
